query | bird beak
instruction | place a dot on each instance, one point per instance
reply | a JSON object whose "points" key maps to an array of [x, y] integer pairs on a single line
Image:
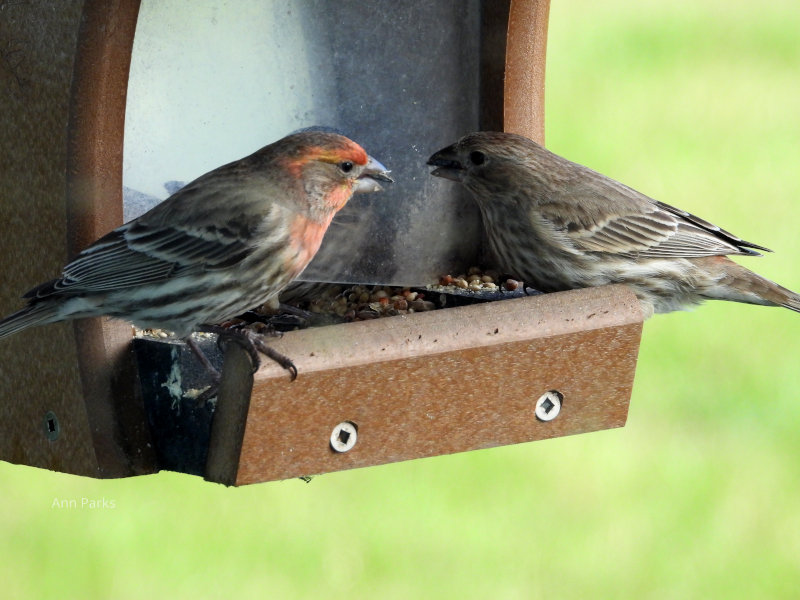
{"points": [[373, 173], [448, 164]]}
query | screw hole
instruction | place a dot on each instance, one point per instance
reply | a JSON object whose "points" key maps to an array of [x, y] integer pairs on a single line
{"points": [[548, 406], [52, 429], [344, 436]]}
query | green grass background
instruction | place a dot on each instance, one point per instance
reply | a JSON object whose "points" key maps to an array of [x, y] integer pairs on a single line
{"points": [[696, 103]]}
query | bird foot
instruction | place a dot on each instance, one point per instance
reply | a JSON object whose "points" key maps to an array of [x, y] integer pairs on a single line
{"points": [[213, 373], [253, 342]]}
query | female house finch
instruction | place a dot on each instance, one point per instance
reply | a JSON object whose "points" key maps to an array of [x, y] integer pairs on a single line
{"points": [[560, 225], [226, 242]]}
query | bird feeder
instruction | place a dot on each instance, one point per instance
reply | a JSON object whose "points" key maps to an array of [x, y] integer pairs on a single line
{"points": [[87, 398]]}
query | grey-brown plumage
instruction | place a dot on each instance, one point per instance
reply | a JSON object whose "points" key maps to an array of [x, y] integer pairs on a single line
{"points": [[226, 242], [560, 225]]}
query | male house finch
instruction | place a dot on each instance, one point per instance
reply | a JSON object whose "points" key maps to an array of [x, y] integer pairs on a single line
{"points": [[226, 242], [559, 225]]}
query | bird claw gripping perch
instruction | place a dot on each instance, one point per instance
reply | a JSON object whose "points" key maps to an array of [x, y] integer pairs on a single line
{"points": [[252, 341]]}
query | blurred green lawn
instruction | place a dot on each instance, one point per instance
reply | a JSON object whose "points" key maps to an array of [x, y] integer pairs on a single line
{"points": [[696, 103]]}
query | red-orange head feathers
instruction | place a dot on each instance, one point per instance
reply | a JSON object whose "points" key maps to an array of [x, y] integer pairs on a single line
{"points": [[329, 167]]}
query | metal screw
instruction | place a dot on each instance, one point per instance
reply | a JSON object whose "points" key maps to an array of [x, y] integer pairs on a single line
{"points": [[344, 436], [51, 427], [549, 405]]}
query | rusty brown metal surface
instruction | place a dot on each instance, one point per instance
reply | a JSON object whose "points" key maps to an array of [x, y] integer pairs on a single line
{"points": [[62, 113], [525, 68], [494, 29], [230, 416], [39, 368], [94, 207], [441, 382]]}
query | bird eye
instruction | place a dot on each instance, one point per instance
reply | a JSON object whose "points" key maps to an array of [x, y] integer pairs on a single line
{"points": [[346, 166], [477, 157]]}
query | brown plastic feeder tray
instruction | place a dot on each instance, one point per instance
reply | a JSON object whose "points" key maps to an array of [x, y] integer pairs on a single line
{"points": [[368, 393]]}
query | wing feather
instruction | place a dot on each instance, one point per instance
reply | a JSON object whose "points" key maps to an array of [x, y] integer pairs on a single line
{"points": [[135, 255], [645, 228]]}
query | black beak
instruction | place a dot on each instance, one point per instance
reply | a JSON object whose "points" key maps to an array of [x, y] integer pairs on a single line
{"points": [[447, 163]]}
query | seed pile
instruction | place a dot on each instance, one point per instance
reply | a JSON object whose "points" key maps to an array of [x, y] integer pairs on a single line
{"points": [[361, 303], [475, 280], [321, 304]]}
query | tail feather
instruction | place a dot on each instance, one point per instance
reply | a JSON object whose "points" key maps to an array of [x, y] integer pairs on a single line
{"points": [[39, 313], [790, 299], [737, 283], [769, 291]]}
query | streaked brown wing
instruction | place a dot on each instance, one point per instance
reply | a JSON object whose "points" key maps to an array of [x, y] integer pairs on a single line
{"points": [[135, 255], [647, 229]]}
